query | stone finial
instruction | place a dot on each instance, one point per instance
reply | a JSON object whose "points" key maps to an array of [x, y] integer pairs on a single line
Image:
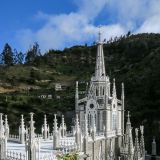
{"points": [[128, 117], [1, 126], [45, 121], [31, 128], [6, 120], [77, 132], [142, 140], [6, 127], [22, 118], [122, 93], [62, 120], [1, 117], [77, 123], [137, 148], [45, 129], [22, 130], [31, 116], [130, 143], [142, 130], [63, 127], [55, 123], [77, 95], [136, 132], [114, 94], [3, 139], [154, 148]]}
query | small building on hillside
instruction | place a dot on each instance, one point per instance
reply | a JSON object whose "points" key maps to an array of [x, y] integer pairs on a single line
{"points": [[58, 87]]}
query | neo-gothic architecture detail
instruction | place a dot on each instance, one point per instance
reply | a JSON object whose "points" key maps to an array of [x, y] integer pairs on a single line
{"points": [[99, 132], [100, 113]]}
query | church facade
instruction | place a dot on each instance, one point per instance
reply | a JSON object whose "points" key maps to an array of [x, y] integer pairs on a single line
{"points": [[101, 115]]}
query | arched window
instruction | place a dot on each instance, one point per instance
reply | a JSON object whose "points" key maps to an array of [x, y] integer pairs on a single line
{"points": [[96, 91], [103, 91], [95, 119], [114, 121]]}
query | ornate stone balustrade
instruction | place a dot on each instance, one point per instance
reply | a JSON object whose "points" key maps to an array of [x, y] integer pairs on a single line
{"points": [[14, 138], [11, 155]]}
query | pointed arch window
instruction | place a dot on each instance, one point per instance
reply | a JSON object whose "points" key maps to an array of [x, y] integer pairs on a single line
{"points": [[96, 91], [103, 91], [114, 121]]}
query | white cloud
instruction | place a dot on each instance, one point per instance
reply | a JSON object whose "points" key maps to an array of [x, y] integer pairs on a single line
{"points": [[152, 24], [91, 8], [137, 15], [64, 30]]}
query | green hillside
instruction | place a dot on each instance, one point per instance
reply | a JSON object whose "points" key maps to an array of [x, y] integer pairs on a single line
{"points": [[134, 60]]}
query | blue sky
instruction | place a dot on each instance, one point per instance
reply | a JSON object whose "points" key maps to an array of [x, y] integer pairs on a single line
{"points": [[62, 23]]}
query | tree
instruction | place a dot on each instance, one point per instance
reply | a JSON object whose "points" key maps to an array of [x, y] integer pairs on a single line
{"points": [[19, 58], [7, 55], [33, 53]]}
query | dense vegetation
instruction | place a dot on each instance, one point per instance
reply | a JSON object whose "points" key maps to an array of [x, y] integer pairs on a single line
{"points": [[132, 59]]}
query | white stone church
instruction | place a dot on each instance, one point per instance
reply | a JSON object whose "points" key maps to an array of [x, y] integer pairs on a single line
{"points": [[99, 132]]}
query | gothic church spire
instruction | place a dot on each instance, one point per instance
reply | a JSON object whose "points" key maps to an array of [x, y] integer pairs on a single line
{"points": [[100, 65]]}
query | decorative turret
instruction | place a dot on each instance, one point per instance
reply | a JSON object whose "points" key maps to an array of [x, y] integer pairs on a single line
{"points": [[63, 127], [128, 124], [114, 94], [130, 146], [122, 99], [76, 96], [3, 139], [22, 131], [2, 131], [45, 129], [55, 133], [154, 148], [142, 145], [77, 133], [32, 144], [136, 148], [31, 127], [122, 93], [6, 127]]}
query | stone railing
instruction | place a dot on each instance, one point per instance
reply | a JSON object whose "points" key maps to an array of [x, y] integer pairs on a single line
{"points": [[40, 136], [11, 155], [68, 145], [50, 136], [69, 133], [48, 156], [14, 138]]}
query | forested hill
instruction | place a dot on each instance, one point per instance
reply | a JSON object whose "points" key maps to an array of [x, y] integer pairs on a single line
{"points": [[132, 59]]}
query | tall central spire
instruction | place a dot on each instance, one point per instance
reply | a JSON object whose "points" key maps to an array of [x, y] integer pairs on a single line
{"points": [[100, 66]]}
